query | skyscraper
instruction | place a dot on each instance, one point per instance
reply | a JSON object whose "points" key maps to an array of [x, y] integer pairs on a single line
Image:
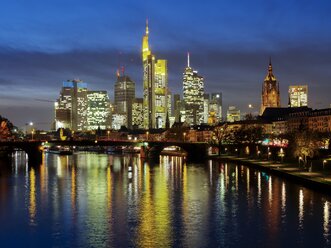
{"points": [[216, 101], [155, 87], [124, 92], [137, 113], [270, 91], [79, 109], [98, 110], [206, 100], [298, 96], [71, 106], [193, 95]]}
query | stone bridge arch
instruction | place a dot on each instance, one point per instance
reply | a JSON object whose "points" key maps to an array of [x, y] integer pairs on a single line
{"points": [[196, 152]]}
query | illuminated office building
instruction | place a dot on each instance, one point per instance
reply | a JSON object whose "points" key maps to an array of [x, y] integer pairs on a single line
{"points": [[193, 95], [206, 108], [215, 108], [79, 109], [98, 110], [137, 113], [298, 96], [71, 106], [233, 114], [155, 87], [124, 95], [270, 91]]}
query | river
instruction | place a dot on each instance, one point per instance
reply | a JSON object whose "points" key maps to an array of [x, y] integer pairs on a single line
{"points": [[100, 200]]}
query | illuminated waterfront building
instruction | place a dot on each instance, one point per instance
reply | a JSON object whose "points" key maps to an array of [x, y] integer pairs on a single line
{"points": [[155, 87], [233, 114], [270, 91], [193, 95], [98, 110], [124, 95], [206, 108], [137, 113], [298, 96], [71, 106]]}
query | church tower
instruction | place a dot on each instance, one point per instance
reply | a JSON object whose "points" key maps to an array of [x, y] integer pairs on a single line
{"points": [[270, 91]]}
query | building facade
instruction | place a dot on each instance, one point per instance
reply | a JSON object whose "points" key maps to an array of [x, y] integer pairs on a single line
{"points": [[193, 95], [71, 106], [233, 114], [79, 109], [98, 110], [137, 113], [155, 87], [270, 91], [298, 96], [124, 95]]}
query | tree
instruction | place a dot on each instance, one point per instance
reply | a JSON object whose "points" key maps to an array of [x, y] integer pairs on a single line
{"points": [[304, 144], [220, 136]]}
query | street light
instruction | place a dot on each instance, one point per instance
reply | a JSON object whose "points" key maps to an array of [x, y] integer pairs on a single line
{"points": [[300, 158], [324, 162], [108, 132], [32, 132], [147, 133], [184, 134]]}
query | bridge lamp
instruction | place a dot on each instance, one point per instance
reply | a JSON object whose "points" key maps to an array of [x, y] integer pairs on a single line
{"points": [[184, 134], [108, 132], [147, 133], [32, 132], [324, 162]]}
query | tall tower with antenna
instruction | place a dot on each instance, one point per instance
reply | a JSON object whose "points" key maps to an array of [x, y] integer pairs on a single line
{"points": [[193, 95], [155, 86]]}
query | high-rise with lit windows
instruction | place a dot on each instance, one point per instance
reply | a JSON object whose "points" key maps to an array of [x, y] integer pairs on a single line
{"points": [[193, 95], [155, 87], [298, 96], [71, 106], [98, 110], [125, 92]]}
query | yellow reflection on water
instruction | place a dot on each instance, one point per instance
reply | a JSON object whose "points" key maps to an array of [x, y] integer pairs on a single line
{"points": [[146, 226], [32, 194], [73, 188], [109, 188]]}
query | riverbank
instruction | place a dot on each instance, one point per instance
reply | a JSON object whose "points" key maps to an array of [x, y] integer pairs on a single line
{"points": [[319, 180]]}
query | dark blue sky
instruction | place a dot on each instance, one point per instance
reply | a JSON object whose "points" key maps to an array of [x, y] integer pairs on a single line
{"points": [[43, 43]]}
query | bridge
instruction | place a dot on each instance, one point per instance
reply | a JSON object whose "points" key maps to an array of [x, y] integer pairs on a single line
{"points": [[150, 150]]}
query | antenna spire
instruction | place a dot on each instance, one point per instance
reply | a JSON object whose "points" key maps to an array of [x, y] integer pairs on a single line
{"points": [[147, 31], [188, 59]]}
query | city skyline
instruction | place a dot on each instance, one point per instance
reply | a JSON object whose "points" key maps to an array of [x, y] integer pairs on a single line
{"points": [[36, 54]]}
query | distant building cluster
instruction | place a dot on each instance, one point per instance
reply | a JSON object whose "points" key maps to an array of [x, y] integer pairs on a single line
{"points": [[81, 109]]}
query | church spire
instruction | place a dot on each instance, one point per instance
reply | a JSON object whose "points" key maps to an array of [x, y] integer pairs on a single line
{"points": [[270, 65]]}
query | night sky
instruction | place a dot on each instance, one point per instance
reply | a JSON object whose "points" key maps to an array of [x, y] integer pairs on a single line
{"points": [[43, 43]]}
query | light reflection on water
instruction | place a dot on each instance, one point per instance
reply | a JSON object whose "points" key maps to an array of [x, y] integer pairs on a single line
{"points": [[97, 200]]}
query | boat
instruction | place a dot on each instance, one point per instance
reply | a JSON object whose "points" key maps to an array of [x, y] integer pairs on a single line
{"points": [[61, 150]]}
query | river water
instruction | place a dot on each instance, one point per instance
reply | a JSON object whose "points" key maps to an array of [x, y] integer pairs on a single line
{"points": [[99, 200]]}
